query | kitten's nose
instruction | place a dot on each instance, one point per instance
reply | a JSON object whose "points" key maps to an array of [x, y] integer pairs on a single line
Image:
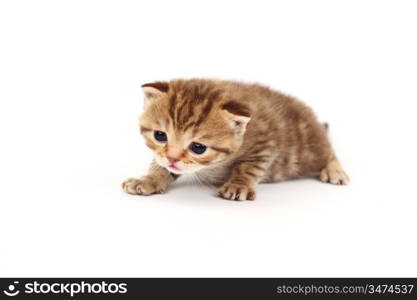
{"points": [[174, 154], [172, 160]]}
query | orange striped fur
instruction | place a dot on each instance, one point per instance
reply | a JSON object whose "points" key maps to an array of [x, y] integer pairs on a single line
{"points": [[252, 134]]}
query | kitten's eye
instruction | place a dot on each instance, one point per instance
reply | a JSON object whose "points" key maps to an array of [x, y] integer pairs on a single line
{"points": [[160, 136], [198, 148]]}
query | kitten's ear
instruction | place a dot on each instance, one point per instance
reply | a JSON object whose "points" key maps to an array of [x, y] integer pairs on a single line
{"points": [[237, 114], [154, 90]]}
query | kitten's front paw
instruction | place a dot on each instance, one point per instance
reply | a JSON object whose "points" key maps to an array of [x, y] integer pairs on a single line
{"points": [[143, 186], [233, 191]]}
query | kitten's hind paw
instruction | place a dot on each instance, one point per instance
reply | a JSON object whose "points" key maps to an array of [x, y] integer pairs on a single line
{"points": [[143, 186], [233, 191], [333, 173]]}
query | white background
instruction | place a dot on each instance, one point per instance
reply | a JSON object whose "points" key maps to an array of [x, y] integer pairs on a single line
{"points": [[70, 73]]}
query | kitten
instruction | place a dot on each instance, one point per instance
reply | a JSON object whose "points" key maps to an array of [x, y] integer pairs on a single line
{"points": [[230, 134]]}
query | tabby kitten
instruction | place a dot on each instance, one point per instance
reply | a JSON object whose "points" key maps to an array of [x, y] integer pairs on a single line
{"points": [[232, 135]]}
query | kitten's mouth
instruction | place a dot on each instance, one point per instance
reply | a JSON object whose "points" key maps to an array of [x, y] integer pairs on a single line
{"points": [[174, 167]]}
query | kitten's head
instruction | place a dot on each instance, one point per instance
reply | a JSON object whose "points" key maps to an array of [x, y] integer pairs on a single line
{"points": [[191, 124]]}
